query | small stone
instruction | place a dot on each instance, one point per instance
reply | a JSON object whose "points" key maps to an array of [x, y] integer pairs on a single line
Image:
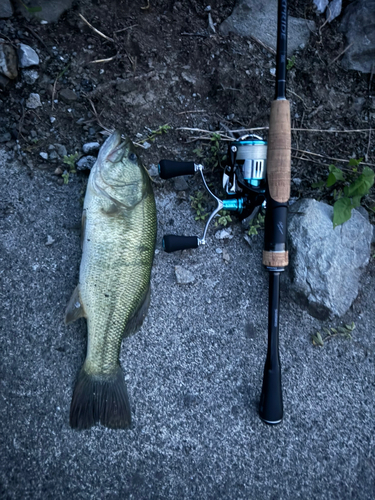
{"points": [[180, 184], [4, 82], [273, 71], [44, 155], [61, 150], [33, 101], [183, 276], [50, 240], [188, 78], [68, 96], [219, 251], [90, 147], [153, 170], [321, 5], [5, 137], [248, 239], [58, 171], [30, 76], [27, 56], [224, 234], [86, 163], [53, 155], [8, 60], [146, 145], [297, 181], [226, 256], [333, 10]]}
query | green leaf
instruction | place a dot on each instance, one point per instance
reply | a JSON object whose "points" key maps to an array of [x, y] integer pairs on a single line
{"points": [[362, 185], [342, 210], [350, 327], [317, 185], [353, 162], [342, 329], [334, 330], [317, 339], [328, 332], [335, 175]]}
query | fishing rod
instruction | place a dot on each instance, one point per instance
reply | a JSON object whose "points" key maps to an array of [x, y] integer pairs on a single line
{"points": [[256, 175], [275, 254]]}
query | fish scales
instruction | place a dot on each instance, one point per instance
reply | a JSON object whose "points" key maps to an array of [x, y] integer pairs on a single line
{"points": [[118, 242]]}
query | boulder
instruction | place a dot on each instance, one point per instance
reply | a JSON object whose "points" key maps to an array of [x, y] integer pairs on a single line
{"points": [[358, 24], [259, 19], [325, 263]]}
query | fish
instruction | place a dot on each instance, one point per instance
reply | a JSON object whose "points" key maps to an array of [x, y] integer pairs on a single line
{"points": [[113, 293]]}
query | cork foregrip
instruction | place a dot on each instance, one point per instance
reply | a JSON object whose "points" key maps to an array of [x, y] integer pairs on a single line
{"points": [[278, 152], [275, 259]]}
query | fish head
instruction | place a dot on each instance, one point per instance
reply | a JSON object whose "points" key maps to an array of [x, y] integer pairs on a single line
{"points": [[119, 173]]}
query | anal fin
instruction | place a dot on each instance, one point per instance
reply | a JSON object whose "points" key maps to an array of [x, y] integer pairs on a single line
{"points": [[74, 309]]}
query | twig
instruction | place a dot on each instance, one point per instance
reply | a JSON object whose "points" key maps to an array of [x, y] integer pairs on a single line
{"points": [[38, 38], [193, 111], [324, 157], [330, 131], [147, 6], [128, 28], [96, 31], [104, 60], [204, 35], [218, 131], [97, 116], [266, 128], [55, 83], [341, 53], [368, 145], [299, 97], [259, 42]]}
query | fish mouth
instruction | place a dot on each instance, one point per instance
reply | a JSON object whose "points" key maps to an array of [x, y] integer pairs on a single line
{"points": [[113, 148]]}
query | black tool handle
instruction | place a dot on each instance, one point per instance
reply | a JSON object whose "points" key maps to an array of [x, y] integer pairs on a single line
{"points": [[172, 242], [169, 168], [271, 400]]}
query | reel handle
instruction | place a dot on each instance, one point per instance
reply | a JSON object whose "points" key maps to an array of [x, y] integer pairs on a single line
{"points": [[172, 242], [169, 168]]}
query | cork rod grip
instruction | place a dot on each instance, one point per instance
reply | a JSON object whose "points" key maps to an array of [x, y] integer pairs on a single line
{"points": [[278, 152]]}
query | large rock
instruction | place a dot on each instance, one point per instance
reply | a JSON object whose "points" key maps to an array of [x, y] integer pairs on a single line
{"points": [[259, 19], [358, 24], [326, 263], [6, 9], [50, 10]]}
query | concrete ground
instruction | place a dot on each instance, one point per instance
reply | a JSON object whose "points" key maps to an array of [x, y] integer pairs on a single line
{"points": [[194, 371]]}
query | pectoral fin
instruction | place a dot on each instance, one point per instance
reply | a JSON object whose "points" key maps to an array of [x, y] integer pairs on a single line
{"points": [[74, 308]]}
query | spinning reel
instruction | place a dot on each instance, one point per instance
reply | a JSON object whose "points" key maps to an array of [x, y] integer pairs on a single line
{"points": [[244, 181]]}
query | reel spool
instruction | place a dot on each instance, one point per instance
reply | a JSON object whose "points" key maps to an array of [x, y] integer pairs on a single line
{"points": [[247, 165]]}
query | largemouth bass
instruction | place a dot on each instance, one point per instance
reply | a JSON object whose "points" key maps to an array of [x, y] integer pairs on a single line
{"points": [[113, 294]]}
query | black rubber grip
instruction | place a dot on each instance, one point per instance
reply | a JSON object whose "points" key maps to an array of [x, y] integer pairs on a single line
{"points": [[169, 168], [172, 242]]}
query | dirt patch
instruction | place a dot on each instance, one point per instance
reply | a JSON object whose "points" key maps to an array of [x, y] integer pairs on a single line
{"points": [[168, 67]]}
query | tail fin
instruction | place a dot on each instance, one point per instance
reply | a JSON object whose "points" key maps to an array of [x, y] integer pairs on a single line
{"points": [[100, 398]]}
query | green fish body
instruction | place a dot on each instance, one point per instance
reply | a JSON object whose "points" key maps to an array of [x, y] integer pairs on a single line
{"points": [[113, 294]]}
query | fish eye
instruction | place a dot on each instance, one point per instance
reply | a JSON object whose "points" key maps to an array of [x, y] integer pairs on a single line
{"points": [[132, 157]]}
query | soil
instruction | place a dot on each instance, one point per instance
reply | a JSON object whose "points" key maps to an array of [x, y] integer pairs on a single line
{"points": [[168, 67]]}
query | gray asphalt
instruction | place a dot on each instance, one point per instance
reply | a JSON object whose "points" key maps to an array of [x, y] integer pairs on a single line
{"points": [[193, 371]]}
